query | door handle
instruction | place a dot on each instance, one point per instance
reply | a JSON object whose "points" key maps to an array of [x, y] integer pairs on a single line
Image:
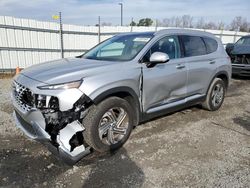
{"points": [[212, 62], [180, 66]]}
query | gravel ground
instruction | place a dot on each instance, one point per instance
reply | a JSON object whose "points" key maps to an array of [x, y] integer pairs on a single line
{"points": [[190, 148]]}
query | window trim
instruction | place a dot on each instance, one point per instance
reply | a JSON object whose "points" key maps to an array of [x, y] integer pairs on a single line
{"points": [[203, 38], [184, 45], [151, 45]]}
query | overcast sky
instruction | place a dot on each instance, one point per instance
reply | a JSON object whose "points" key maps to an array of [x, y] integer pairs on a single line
{"points": [[85, 12]]}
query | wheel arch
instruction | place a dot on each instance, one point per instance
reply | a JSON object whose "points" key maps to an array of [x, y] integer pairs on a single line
{"points": [[222, 75], [126, 93]]}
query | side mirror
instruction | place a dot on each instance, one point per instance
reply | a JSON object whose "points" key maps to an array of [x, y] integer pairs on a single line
{"points": [[229, 47], [158, 58]]}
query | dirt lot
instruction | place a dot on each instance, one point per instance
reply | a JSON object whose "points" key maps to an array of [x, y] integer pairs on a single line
{"points": [[193, 148]]}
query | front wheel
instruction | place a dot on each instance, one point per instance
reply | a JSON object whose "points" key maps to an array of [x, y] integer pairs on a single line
{"points": [[215, 95], [108, 124]]}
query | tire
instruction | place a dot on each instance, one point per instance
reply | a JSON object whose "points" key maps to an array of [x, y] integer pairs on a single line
{"points": [[101, 117], [213, 102]]}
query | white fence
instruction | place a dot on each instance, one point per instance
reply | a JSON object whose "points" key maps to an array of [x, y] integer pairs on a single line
{"points": [[24, 42]]}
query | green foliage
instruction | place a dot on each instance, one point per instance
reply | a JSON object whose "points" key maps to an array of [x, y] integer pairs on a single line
{"points": [[133, 23], [145, 22]]}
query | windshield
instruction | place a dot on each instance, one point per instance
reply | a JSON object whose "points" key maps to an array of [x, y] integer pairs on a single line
{"points": [[119, 48], [244, 41]]}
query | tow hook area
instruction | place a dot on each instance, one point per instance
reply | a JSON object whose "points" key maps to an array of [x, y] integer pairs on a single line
{"points": [[71, 142]]}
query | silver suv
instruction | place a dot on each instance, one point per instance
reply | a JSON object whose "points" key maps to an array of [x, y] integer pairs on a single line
{"points": [[93, 101]]}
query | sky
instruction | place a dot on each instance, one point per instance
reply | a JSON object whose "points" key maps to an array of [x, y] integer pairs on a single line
{"points": [[86, 12]]}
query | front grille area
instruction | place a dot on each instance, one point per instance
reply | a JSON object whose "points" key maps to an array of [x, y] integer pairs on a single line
{"points": [[240, 59], [23, 96]]}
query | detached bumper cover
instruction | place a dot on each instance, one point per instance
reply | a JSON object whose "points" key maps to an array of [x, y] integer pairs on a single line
{"points": [[32, 123], [32, 131], [241, 69]]}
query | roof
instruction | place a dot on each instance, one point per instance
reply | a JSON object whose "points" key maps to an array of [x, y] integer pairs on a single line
{"points": [[246, 36], [183, 31], [137, 33], [171, 31]]}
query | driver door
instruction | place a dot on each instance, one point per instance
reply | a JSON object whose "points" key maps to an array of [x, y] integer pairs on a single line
{"points": [[164, 83]]}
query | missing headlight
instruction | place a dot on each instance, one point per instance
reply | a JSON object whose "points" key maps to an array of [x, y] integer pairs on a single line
{"points": [[54, 103], [40, 101], [47, 102]]}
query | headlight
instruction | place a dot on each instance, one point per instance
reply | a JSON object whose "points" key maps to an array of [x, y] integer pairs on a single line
{"points": [[68, 85]]}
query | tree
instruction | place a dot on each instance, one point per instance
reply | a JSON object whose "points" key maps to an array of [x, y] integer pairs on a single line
{"points": [[169, 22], [236, 23], [133, 23], [221, 25], [145, 22], [106, 24], [239, 24], [158, 23], [165, 22], [210, 25], [200, 23], [177, 22], [187, 21]]}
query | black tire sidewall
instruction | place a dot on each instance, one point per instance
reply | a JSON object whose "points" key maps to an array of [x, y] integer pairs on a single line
{"points": [[218, 81], [99, 111]]}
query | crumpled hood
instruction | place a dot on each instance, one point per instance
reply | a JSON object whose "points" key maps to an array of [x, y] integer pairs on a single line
{"points": [[241, 49], [63, 70]]}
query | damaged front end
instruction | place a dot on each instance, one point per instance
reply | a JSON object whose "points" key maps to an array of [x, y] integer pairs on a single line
{"points": [[240, 64], [240, 58], [41, 118]]}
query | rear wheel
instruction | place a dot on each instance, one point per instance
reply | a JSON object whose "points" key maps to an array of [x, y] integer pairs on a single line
{"points": [[108, 124], [215, 95]]}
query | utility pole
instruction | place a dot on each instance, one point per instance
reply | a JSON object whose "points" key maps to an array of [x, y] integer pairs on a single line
{"points": [[61, 34], [99, 29], [131, 28], [156, 24], [121, 4]]}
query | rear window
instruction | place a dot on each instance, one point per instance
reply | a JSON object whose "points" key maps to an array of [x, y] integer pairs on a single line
{"points": [[193, 46], [211, 44]]}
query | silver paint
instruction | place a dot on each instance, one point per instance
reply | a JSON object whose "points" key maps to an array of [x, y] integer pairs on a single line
{"points": [[160, 87]]}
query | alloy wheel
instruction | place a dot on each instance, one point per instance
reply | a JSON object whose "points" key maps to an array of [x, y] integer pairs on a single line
{"points": [[113, 125]]}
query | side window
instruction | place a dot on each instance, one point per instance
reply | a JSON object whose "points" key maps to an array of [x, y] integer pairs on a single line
{"points": [[193, 46], [211, 44], [168, 45]]}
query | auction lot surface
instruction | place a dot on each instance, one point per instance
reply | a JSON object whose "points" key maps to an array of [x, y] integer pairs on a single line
{"points": [[193, 147]]}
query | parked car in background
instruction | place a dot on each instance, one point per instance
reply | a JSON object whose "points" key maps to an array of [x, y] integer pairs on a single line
{"points": [[240, 56], [95, 100]]}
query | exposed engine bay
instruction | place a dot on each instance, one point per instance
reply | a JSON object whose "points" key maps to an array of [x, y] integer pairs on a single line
{"points": [[240, 59]]}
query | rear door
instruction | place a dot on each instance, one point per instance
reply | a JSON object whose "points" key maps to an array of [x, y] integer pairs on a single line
{"points": [[164, 83], [200, 62]]}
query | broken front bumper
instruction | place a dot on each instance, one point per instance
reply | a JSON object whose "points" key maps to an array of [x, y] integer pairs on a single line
{"points": [[241, 69], [32, 123], [57, 126]]}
